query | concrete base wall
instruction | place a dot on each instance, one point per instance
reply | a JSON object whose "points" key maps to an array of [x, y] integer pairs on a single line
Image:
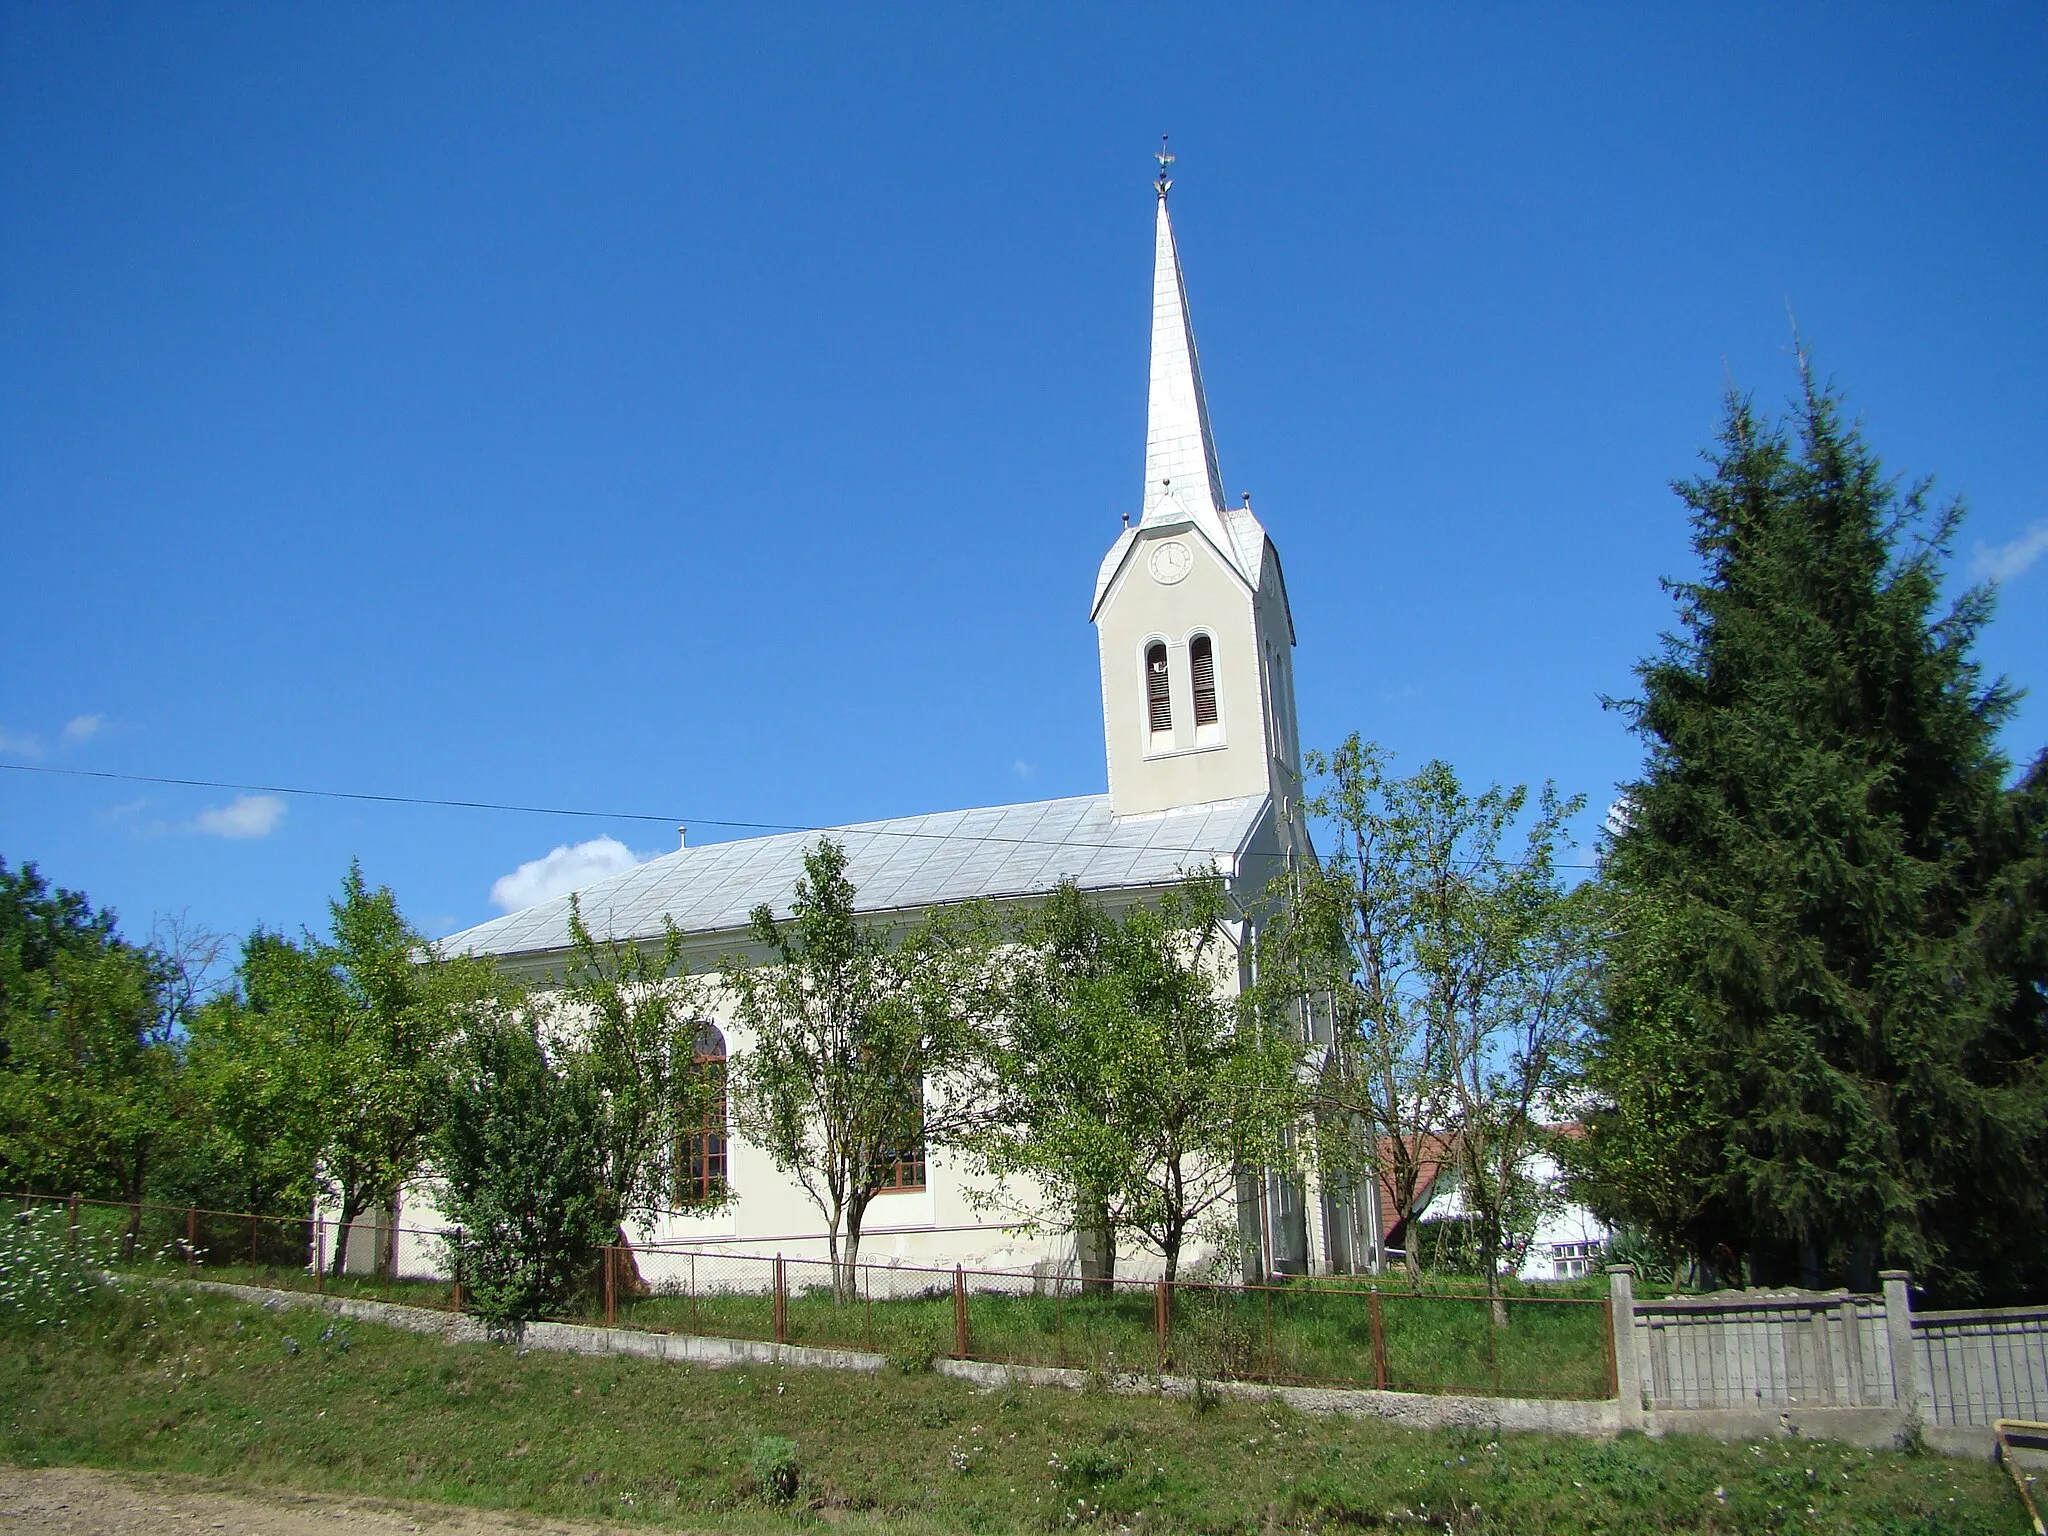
{"points": [[1414, 1410], [1877, 1428]]}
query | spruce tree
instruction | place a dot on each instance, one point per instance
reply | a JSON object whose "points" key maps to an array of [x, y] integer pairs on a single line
{"points": [[1823, 1045]]}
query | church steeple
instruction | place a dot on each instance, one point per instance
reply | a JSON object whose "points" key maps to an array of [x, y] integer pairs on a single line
{"points": [[1180, 452], [1190, 610]]}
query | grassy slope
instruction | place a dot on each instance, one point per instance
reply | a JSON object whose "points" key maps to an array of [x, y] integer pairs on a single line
{"points": [[204, 1385]]}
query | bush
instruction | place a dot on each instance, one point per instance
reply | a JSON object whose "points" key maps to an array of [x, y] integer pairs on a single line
{"points": [[47, 1280], [774, 1466]]}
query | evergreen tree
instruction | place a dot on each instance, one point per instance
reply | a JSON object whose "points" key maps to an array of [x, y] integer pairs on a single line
{"points": [[1823, 1046]]}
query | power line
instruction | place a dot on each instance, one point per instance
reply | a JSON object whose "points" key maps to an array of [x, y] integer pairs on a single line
{"points": [[557, 810]]}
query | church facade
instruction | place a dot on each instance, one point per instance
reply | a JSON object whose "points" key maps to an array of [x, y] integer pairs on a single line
{"points": [[1196, 642]]}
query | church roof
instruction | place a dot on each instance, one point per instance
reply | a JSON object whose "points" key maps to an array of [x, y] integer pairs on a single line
{"points": [[907, 863]]}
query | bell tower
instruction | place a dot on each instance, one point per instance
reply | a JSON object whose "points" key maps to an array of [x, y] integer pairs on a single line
{"points": [[1191, 617]]}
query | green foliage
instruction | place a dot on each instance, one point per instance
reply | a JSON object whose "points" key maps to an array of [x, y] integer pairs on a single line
{"points": [[623, 1030], [87, 1059], [523, 1153], [773, 1461], [360, 1020], [1458, 971], [1128, 1083], [865, 1042], [1825, 1029], [49, 1278], [254, 1099]]}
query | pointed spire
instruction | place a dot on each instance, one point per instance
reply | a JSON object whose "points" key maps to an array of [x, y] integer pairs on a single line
{"points": [[1180, 453]]}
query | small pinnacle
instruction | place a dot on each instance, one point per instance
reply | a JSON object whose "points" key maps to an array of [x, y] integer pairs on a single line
{"points": [[1165, 159]]}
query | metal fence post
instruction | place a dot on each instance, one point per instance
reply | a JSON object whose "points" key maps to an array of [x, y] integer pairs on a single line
{"points": [[611, 1287], [456, 1299], [191, 1237], [1378, 1322], [319, 1253], [1898, 1333], [781, 1304], [959, 1313], [74, 1219]]}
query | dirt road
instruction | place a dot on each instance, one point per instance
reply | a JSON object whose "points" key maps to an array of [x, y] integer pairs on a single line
{"points": [[76, 1501]]}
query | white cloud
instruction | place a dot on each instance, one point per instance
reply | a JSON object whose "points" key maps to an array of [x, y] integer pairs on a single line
{"points": [[569, 867], [21, 746], [244, 816], [1024, 770], [81, 729], [2008, 560]]}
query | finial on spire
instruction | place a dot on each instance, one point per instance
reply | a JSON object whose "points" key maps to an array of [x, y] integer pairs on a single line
{"points": [[1165, 159]]}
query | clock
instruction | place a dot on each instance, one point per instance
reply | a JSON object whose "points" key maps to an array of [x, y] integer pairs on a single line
{"points": [[1170, 561]]}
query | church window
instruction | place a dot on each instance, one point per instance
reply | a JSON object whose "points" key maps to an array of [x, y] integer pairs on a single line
{"points": [[901, 1166], [701, 1160], [1158, 697], [1202, 663]]}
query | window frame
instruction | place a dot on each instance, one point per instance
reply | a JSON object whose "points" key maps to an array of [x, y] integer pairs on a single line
{"points": [[704, 1151]]}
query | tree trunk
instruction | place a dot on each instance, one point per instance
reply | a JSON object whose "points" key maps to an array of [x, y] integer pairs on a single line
{"points": [[845, 1286], [1489, 1260], [1095, 1245], [351, 1208]]}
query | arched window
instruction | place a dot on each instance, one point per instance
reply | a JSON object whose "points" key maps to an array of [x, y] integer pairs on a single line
{"points": [[701, 1157], [1202, 663], [1158, 696], [901, 1166]]}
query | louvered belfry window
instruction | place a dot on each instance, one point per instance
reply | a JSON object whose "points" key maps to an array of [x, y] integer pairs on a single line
{"points": [[1158, 701], [1202, 662]]}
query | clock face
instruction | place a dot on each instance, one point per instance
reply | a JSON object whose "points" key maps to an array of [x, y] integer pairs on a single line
{"points": [[1170, 561]]}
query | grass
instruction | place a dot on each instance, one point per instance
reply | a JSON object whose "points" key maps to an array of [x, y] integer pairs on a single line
{"points": [[171, 1381], [1439, 1340]]}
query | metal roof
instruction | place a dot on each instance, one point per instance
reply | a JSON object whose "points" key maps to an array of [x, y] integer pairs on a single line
{"points": [[907, 862]]}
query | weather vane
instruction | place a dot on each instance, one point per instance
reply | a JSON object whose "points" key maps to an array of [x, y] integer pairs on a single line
{"points": [[1165, 159]]}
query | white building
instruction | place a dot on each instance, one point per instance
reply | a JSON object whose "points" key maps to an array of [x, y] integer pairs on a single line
{"points": [[1196, 643]]}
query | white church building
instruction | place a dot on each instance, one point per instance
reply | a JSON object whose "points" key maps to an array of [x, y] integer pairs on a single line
{"points": [[1204, 770]]}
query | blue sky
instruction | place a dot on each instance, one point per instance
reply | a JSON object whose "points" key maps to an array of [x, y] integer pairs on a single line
{"points": [[720, 412]]}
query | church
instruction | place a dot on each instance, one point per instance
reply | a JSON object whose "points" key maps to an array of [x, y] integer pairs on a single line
{"points": [[1196, 644]]}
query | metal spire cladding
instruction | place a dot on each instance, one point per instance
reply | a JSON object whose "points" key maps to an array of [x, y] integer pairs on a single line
{"points": [[1181, 478]]}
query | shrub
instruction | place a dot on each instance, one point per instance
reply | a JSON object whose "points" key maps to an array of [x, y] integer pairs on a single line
{"points": [[47, 1279], [774, 1465]]}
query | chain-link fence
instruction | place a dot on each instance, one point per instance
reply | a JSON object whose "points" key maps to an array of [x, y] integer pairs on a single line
{"points": [[1329, 1333]]}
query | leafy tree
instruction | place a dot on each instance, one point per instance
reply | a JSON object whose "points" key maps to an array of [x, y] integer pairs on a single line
{"points": [[1826, 899], [1457, 970], [87, 1056], [255, 1097], [864, 1044], [624, 1022], [1134, 1087], [523, 1149], [364, 1016], [1049, 1075]]}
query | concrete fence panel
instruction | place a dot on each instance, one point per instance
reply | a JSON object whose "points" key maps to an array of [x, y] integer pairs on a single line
{"points": [[1980, 1366]]}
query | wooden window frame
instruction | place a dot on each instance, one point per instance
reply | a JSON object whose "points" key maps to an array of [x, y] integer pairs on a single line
{"points": [[704, 1157], [1158, 690], [1201, 659]]}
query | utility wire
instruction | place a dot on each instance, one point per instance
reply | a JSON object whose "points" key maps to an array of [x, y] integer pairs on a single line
{"points": [[556, 810]]}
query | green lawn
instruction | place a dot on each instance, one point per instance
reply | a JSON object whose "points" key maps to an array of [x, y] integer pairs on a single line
{"points": [[166, 1380], [1290, 1333], [1321, 1332]]}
